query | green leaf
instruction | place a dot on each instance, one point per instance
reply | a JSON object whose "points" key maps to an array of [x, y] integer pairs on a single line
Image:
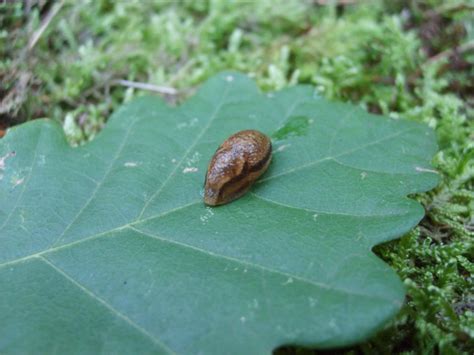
{"points": [[108, 248]]}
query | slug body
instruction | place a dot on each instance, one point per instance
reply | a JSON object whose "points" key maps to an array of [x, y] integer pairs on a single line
{"points": [[236, 165]]}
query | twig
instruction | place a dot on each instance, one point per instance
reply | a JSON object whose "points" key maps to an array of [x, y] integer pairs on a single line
{"points": [[44, 24], [453, 8], [336, 2], [149, 87], [447, 53]]}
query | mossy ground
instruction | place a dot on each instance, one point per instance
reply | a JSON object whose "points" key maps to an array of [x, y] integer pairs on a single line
{"points": [[404, 59]]}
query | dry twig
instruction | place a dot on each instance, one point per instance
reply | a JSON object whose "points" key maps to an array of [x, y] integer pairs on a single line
{"points": [[149, 87], [466, 47], [44, 25]]}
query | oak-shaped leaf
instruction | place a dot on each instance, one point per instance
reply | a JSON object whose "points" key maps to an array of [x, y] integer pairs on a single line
{"points": [[108, 247]]}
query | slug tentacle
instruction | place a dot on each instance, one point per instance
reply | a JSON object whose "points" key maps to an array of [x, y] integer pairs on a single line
{"points": [[236, 165]]}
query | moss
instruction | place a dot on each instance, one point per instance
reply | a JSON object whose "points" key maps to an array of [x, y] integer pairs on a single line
{"points": [[393, 57]]}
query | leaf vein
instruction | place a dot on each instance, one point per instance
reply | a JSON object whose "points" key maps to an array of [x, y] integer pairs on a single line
{"points": [[106, 305], [256, 266], [186, 153], [289, 171], [99, 184], [324, 212], [94, 236], [373, 170]]}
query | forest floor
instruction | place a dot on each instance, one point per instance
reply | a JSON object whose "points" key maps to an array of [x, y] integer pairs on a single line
{"points": [[77, 61]]}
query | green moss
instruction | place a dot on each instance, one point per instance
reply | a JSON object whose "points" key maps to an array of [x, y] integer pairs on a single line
{"points": [[377, 54]]}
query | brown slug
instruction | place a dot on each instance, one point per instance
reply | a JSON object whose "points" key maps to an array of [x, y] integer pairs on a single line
{"points": [[236, 165]]}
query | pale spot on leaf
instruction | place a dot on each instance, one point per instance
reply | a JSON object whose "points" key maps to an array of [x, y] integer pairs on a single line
{"points": [[208, 215], [17, 182], [190, 170], [282, 147], [131, 164]]}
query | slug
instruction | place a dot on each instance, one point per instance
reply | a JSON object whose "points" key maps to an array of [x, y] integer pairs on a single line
{"points": [[236, 165]]}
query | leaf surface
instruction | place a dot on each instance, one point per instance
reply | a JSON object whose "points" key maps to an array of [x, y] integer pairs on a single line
{"points": [[109, 248]]}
